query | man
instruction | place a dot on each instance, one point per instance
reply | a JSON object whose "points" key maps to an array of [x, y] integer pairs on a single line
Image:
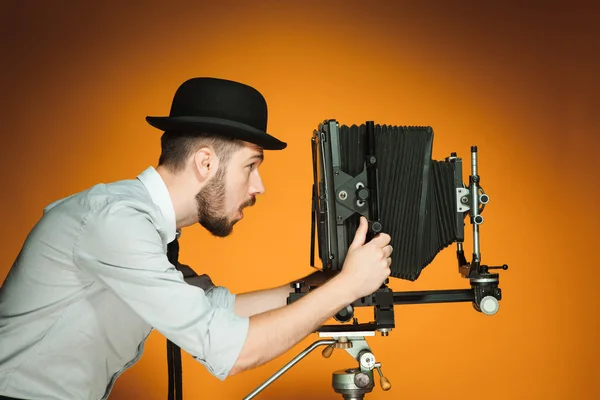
{"points": [[93, 279]]}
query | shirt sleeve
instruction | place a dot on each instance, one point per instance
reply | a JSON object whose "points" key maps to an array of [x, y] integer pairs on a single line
{"points": [[222, 297], [218, 295], [121, 247]]}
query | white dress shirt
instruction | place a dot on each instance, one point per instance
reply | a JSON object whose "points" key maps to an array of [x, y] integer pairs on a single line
{"points": [[91, 282]]}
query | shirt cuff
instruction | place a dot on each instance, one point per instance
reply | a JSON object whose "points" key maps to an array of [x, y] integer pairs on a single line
{"points": [[224, 348], [221, 297]]}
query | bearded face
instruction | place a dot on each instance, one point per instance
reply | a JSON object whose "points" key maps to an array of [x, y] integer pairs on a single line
{"points": [[213, 211], [234, 186]]}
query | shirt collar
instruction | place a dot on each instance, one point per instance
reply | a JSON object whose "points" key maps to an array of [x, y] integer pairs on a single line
{"points": [[161, 197]]}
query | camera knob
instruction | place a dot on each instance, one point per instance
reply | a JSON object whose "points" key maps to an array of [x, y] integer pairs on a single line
{"points": [[363, 193], [362, 380], [489, 305], [297, 286]]}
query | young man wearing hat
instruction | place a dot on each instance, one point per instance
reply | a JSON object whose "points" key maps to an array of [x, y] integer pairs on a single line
{"points": [[93, 278]]}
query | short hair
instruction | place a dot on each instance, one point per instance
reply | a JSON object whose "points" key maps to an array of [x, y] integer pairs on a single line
{"points": [[177, 147]]}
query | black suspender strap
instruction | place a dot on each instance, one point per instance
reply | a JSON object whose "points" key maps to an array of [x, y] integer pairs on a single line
{"points": [[173, 351]]}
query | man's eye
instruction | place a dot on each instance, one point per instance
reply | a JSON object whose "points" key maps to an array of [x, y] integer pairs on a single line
{"points": [[251, 167]]}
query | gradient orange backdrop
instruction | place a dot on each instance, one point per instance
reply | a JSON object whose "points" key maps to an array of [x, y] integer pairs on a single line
{"points": [[521, 83]]}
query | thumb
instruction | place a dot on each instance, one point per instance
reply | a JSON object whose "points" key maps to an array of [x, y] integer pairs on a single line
{"points": [[361, 234]]}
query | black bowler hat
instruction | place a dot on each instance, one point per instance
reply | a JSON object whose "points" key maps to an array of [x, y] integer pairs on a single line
{"points": [[219, 106]]}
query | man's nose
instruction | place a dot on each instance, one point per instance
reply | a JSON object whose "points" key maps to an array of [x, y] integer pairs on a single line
{"points": [[256, 185]]}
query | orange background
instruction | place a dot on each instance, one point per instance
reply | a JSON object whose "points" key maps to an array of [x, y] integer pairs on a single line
{"points": [[521, 83]]}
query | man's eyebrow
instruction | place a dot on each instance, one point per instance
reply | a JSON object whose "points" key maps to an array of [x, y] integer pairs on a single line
{"points": [[258, 156]]}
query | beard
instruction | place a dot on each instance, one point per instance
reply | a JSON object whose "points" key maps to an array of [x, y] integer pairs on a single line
{"points": [[211, 207]]}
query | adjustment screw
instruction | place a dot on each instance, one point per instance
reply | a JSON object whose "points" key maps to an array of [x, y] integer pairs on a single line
{"points": [[363, 193], [297, 286]]}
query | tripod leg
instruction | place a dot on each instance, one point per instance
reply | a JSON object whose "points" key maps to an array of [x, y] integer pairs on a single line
{"points": [[288, 366]]}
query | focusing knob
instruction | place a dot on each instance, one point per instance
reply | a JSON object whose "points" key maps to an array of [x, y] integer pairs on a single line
{"points": [[376, 226], [345, 314], [363, 194], [489, 305]]}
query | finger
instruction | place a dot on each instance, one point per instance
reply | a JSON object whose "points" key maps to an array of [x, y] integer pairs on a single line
{"points": [[361, 234], [387, 250], [381, 239]]}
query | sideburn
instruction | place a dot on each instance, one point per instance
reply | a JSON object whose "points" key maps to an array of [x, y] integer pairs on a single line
{"points": [[211, 201]]}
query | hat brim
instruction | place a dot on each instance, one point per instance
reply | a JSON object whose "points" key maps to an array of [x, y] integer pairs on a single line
{"points": [[219, 126]]}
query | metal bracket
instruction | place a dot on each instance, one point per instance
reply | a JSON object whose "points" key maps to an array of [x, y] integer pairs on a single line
{"points": [[462, 200], [347, 201]]}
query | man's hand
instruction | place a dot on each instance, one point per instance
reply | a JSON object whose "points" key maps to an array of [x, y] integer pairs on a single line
{"points": [[273, 332], [366, 266]]}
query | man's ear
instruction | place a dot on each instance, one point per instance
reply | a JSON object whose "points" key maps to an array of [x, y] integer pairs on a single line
{"points": [[205, 163]]}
